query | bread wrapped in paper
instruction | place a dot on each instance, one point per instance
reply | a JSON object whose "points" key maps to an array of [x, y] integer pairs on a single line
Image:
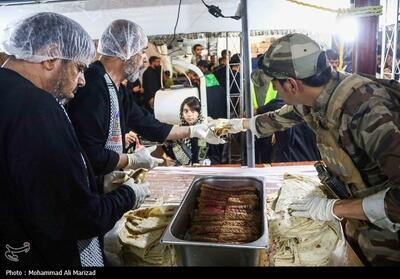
{"points": [[220, 126], [140, 238], [299, 241]]}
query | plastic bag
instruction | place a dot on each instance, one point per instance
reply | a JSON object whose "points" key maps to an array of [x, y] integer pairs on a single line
{"points": [[339, 256], [112, 246]]}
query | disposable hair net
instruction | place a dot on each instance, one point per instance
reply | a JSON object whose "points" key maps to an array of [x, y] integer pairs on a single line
{"points": [[123, 39], [46, 36]]}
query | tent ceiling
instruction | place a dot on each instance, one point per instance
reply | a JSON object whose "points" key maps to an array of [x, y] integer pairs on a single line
{"points": [[158, 17]]}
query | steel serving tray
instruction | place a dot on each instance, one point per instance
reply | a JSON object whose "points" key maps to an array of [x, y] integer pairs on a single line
{"points": [[196, 253]]}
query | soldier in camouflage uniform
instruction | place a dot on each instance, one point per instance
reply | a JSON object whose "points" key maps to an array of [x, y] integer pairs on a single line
{"points": [[356, 122]]}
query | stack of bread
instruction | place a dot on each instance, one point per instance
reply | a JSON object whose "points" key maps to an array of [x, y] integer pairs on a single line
{"points": [[140, 238], [296, 241]]}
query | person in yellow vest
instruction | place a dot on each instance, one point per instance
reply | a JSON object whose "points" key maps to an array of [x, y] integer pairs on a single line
{"points": [[263, 91], [356, 121]]}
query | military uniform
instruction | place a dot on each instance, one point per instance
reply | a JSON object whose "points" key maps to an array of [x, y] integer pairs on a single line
{"points": [[359, 140]]}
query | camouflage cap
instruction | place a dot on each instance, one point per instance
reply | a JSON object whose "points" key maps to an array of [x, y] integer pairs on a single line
{"points": [[294, 55], [259, 78]]}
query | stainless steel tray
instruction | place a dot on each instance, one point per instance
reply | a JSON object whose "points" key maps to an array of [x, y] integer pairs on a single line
{"points": [[195, 253]]}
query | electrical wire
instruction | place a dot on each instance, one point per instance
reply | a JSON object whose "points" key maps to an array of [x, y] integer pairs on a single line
{"points": [[216, 11], [176, 23], [205, 3]]}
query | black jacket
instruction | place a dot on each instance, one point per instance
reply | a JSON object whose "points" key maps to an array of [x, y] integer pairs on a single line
{"points": [[295, 144], [47, 196], [90, 114], [151, 82]]}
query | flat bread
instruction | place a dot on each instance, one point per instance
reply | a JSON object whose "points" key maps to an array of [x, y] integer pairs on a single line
{"points": [[299, 241], [140, 237]]}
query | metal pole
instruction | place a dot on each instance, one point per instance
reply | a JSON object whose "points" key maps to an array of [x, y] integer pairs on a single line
{"points": [[383, 47], [228, 94], [396, 25], [241, 111], [364, 53], [247, 85], [227, 87]]}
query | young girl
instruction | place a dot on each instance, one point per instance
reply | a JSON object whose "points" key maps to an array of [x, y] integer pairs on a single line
{"points": [[188, 151]]}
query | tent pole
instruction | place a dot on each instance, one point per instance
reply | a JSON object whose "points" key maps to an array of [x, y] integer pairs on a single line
{"points": [[247, 83], [228, 94], [364, 52]]}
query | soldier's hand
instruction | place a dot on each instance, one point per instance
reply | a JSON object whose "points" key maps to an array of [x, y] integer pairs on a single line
{"points": [[313, 207]]}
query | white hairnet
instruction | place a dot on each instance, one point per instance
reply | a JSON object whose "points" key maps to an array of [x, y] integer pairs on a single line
{"points": [[122, 38], [46, 36]]}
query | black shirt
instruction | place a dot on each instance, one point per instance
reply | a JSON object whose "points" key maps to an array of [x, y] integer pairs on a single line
{"points": [[216, 102], [151, 82], [48, 197], [234, 79], [90, 114], [295, 144], [138, 98]]}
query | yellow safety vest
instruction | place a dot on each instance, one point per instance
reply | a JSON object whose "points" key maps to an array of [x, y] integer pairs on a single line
{"points": [[269, 96]]}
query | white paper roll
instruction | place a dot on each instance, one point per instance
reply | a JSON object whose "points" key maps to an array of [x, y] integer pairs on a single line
{"points": [[167, 103]]}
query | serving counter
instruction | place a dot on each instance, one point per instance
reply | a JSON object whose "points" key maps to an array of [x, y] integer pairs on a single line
{"points": [[169, 185]]}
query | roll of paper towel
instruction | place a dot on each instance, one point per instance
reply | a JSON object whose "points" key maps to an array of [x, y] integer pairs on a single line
{"points": [[167, 103]]}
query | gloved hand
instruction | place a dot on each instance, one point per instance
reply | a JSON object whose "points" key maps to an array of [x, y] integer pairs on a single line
{"points": [[316, 208], [233, 126], [236, 125], [111, 178], [142, 191], [141, 158], [202, 131]]}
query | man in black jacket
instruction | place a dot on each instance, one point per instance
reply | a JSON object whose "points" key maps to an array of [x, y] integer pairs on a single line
{"points": [[100, 112], [152, 81], [52, 213]]}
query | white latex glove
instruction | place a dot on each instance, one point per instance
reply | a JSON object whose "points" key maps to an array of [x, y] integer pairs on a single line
{"points": [[142, 191], [235, 125], [141, 158], [202, 131], [316, 208], [110, 178]]}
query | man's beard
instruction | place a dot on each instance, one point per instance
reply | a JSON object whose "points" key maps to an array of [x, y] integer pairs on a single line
{"points": [[136, 74], [59, 92], [134, 69]]}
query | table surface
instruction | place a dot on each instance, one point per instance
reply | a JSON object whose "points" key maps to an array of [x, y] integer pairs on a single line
{"points": [[170, 184]]}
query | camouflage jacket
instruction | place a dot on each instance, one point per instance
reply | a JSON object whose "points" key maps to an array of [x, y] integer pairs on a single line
{"points": [[369, 133]]}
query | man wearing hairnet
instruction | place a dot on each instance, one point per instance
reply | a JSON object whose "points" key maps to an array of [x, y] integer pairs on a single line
{"points": [[100, 114], [51, 210]]}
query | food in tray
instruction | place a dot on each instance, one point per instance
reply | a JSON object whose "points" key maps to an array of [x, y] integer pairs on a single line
{"points": [[226, 215]]}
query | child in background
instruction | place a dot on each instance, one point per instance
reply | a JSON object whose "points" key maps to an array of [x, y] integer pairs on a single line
{"points": [[188, 151]]}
